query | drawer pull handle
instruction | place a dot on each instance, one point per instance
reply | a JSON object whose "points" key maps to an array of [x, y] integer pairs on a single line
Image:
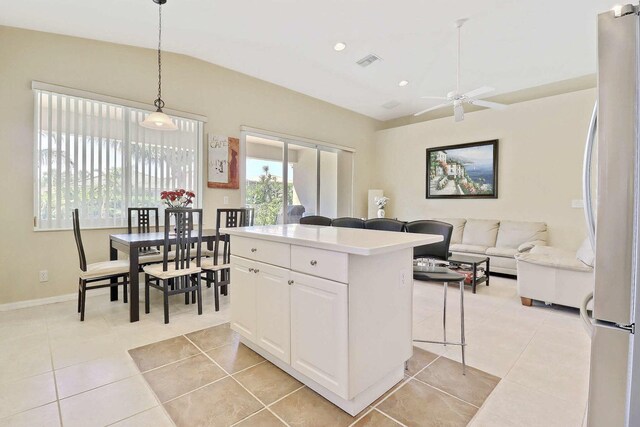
{"points": [[254, 250], [255, 270], [251, 270], [290, 282], [313, 262]]}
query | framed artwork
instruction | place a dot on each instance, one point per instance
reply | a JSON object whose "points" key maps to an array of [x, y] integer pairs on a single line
{"points": [[223, 162], [463, 171]]}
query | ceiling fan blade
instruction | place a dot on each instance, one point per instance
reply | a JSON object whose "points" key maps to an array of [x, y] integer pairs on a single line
{"points": [[432, 108], [478, 92], [458, 113], [487, 104], [434, 97]]}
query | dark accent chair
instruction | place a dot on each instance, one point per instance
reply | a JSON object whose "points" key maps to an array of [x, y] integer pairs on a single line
{"points": [[96, 272], [217, 266], [182, 274], [385, 224], [139, 220], [348, 222], [315, 220], [438, 250]]}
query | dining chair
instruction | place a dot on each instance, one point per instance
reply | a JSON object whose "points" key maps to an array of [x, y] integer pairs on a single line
{"points": [[180, 275], [348, 222], [96, 272], [315, 220], [217, 264], [385, 224], [145, 220], [440, 251]]}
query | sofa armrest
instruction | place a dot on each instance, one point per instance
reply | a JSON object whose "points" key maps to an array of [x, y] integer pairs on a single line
{"points": [[527, 246]]}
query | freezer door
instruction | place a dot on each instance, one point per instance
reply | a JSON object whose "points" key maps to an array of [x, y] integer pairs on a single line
{"points": [[617, 159], [608, 378]]}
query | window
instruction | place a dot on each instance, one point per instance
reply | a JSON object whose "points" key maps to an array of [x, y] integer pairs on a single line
{"points": [[93, 155]]}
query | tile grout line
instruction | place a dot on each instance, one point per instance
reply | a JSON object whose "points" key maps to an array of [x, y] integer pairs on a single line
{"points": [[238, 382], [447, 393], [389, 416], [55, 381]]}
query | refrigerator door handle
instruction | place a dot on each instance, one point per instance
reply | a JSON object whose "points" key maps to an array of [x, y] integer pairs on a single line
{"points": [[584, 315], [586, 177]]}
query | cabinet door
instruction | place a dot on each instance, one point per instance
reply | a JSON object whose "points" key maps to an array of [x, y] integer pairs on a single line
{"points": [[319, 331], [243, 297], [272, 291]]}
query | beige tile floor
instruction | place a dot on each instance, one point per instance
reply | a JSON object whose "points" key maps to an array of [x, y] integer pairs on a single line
{"points": [[55, 370]]}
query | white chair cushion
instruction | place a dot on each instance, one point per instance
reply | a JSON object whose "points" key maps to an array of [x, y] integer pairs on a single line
{"points": [[503, 252], [553, 257], [458, 228], [156, 271], [480, 232], [474, 249], [585, 253], [514, 233], [207, 264], [105, 269]]}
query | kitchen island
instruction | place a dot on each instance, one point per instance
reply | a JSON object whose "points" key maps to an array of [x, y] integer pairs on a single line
{"points": [[330, 306]]}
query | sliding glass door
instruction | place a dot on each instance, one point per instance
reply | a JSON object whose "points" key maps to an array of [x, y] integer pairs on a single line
{"points": [[286, 180]]}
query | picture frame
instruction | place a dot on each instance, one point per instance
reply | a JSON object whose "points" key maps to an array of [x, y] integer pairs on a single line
{"points": [[223, 160], [462, 171]]}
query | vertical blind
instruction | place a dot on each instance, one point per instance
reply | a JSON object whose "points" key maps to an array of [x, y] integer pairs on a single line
{"points": [[95, 156]]}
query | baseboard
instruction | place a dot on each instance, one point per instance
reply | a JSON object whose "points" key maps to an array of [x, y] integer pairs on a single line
{"points": [[48, 300]]}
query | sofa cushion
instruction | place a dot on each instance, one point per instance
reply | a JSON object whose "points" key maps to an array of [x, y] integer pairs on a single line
{"points": [[474, 249], [527, 246], [514, 233], [553, 257], [458, 228], [480, 232], [503, 252], [585, 253]]}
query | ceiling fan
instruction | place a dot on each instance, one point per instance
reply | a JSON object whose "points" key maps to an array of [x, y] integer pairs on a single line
{"points": [[456, 98]]}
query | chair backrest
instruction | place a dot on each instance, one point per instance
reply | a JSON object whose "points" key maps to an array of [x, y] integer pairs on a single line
{"points": [[315, 220], [438, 250], [348, 222], [385, 224], [182, 233], [78, 237], [143, 223], [230, 218]]}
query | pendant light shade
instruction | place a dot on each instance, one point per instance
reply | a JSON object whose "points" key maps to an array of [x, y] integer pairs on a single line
{"points": [[159, 120]]}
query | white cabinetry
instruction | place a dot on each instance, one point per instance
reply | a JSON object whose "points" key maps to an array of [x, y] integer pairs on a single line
{"points": [[319, 331]]}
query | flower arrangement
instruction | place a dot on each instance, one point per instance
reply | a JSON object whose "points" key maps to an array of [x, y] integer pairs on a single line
{"points": [[381, 202], [179, 198]]}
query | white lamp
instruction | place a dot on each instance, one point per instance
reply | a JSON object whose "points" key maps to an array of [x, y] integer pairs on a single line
{"points": [[159, 120]]}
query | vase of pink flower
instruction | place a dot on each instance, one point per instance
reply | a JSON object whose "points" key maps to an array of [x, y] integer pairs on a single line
{"points": [[177, 199]]}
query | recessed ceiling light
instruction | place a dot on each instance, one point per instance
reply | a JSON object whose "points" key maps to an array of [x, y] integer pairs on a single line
{"points": [[339, 47], [403, 83]]}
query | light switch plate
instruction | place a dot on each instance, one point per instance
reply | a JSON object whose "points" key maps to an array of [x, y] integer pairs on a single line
{"points": [[225, 200], [577, 203]]}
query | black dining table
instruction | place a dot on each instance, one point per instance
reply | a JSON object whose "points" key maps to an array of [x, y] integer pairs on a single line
{"points": [[130, 244]]}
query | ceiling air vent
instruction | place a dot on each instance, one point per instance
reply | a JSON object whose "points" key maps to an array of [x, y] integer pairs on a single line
{"points": [[390, 105], [368, 60]]}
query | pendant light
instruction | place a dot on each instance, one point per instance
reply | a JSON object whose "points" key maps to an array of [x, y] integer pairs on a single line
{"points": [[159, 120]]}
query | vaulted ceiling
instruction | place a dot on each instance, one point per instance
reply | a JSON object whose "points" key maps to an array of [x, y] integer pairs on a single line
{"points": [[508, 44]]}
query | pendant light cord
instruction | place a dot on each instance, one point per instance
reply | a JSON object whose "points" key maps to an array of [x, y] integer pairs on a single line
{"points": [[159, 103]]}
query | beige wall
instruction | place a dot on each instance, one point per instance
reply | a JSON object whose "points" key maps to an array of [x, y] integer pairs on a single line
{"points": [[229, 100], [540, 164]]}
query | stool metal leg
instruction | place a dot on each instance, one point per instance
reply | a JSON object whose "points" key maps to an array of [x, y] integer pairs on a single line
{"points": [[444, 314], [462, 342]]}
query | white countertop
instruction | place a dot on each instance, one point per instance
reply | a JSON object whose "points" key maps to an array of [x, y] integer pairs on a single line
{"points": [[350, 240]]}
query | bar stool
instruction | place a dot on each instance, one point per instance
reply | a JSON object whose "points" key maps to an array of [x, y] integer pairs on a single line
{"points": [[444, 275]]}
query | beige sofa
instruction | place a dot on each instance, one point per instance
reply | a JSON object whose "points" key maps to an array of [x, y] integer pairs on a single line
{"points": [[501, 241], [555, 275]]}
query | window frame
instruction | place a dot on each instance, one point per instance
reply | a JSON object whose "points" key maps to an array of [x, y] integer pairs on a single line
{"points": [[40, 87]]}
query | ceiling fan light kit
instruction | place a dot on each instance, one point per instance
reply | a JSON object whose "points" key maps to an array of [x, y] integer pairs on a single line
{"points": [[457, 99], [158, 120]]}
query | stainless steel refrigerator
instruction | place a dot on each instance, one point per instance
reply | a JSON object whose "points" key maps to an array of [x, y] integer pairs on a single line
{"points": [[612, 217]]}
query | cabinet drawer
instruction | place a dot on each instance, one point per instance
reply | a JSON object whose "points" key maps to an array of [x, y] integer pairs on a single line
{"points": [[319, 262], [261, 250]]}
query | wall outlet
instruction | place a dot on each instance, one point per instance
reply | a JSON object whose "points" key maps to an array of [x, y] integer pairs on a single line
{"points": [[225, 200], [44, 276], [405, 277]]}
